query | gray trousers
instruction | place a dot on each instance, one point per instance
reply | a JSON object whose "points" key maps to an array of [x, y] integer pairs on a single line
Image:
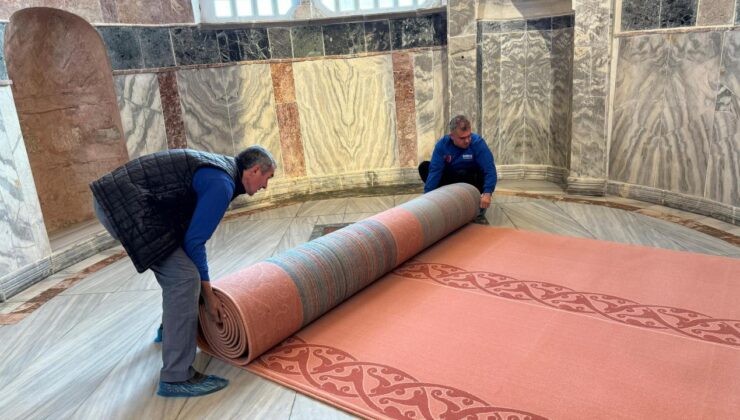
{"points": [[179, 279]]}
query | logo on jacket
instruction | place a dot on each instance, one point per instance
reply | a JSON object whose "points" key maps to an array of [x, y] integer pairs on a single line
{"points": [[448, 158]]}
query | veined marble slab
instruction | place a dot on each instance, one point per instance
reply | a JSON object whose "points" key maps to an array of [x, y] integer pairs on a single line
{"points": [[490, 87], [513, 93], [250, 100], [204, 110], [141, 113], [347, 114], [430, 91], [21, 223]]}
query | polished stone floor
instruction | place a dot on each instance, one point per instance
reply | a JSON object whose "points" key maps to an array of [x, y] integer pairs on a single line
{"points": [[88, 351]]}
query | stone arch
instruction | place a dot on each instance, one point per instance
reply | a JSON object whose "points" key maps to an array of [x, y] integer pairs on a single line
{"points": [[66, 102]]}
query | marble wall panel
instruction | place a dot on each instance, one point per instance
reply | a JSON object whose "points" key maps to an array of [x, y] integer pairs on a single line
{"points": [[692, 72], [347, 114], [90, 10], [283, 85], [430, 92], [518, 9], [378, 35], [156, 48], [67, 108], [640, 89], [3, 68], [640, 14], [414, 32], [280, 44], [141, 113], [172, 110], [21, 222], [123, 47], [308, 41], [663, 110], [561, 100], [293, 161], [403, 81], [243, 44], [109, 10], [513, 91], [205, 112], [676, 13], [723, 165], [462, 14], [194, 46], [344, 38], [154, 11], [537, 102], [251, 106], [490, 86], [463, 96], [715, 12]]}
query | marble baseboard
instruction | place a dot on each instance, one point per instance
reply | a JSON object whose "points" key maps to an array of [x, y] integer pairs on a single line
{"points": [[586, 186], [19, 280], [676, 200], [534, 172]]}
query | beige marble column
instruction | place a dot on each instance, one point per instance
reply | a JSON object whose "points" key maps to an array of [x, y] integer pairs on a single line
{"points": [[462, 62]]}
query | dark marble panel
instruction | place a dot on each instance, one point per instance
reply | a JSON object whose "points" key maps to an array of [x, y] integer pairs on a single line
{"points": [[307, 41], [254, 44], [378, 35], [344, 38], [243, 44], [513, 26], [280, 45], [3, 68], [228, 45], [560, 22], [489, 27], [541, 24], [675, 13], [123, 47], [195, 46], [412, 32], [156, 48], [439, 24], [640, 14]]}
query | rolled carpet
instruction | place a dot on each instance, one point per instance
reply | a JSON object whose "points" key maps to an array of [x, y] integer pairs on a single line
{"points": [[269, 301]]}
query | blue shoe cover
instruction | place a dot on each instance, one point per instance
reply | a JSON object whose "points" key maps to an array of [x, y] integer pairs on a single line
{"points": [[207, 385], [158, 338]]}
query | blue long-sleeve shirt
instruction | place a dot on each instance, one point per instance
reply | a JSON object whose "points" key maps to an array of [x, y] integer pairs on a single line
{"points": [[215, 189], [448, 156]]}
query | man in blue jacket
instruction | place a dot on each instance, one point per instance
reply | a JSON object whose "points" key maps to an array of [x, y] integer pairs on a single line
{"points": [[163, 208], [461, 156]]}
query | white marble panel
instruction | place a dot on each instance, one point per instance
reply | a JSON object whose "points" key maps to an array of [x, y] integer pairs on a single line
{"points": [[251, 105], [141, 113], [430, 96], [463, 90], [204, 110], [347, 113], [21, 223]]}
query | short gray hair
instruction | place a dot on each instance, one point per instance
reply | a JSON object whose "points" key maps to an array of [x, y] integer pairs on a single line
{"points": [[460, 121], [255, 155]]}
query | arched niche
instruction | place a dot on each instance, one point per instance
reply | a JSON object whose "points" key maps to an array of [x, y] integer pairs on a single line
{"points": [[66, 102]]}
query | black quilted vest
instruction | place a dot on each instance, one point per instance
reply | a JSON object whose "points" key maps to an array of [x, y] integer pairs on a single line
{"points": [[150, 200]]}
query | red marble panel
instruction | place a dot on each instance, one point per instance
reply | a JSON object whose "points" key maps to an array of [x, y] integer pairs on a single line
{"points": [[67, 109], [282, 82], [172, 111], [403, 81], [290, 140]]}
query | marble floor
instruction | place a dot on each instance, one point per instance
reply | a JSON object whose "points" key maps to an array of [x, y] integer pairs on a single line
{"points": [[88, 352]]}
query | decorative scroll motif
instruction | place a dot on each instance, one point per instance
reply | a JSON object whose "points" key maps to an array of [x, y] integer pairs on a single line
{"points": [[682, 321], [387, 391]]}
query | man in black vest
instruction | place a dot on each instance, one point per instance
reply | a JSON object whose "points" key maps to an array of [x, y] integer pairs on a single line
{"points": [[163, 208]]}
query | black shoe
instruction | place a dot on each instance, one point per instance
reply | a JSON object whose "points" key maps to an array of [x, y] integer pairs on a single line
{"points": [[196, 386], [481, 220]]}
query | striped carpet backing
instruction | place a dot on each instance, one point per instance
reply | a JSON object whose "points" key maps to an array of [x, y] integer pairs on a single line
{"points": [[267, 302]]}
